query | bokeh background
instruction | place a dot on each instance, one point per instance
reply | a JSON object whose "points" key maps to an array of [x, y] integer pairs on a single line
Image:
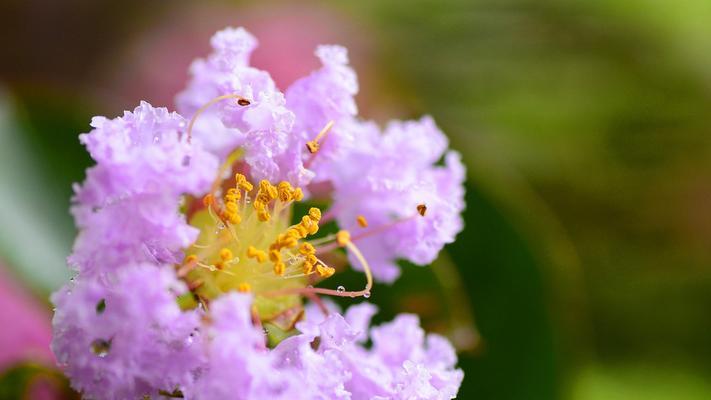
{"points": [[584, 271]]}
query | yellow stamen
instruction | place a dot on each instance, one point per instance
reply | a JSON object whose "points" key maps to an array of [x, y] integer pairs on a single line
{"points": [[307, 248], [275, 256], [259, 255], [362, 221], [208, 200], [242, 183], [313, 145], [343, 238], [244, 287], [279, 268], [315, 214], [284, 191], [297, 194], [226, 254], [324, 271]]}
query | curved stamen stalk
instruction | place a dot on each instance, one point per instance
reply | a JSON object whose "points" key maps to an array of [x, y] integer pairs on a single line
{"points": [[339, 293], [370, 232], [241, 100]]}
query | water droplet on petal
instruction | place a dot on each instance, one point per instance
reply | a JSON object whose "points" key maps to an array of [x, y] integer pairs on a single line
{"points": [[101, 347], [340, 289]]}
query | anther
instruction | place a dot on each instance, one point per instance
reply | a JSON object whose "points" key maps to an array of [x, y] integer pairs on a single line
{"points": [[343, 238], [243, 102], [362, 221], [297, 194], [313, 145], [244, 287], [284, 190], [275, 256], [243, 183], [279, 268], [307, 248], [259, 255], [324, 271], [315, 214], [208, 200], [422, 209], [226, 254]]}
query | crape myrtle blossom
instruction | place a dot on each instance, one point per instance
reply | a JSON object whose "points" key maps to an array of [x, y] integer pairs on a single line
{"points": [[375, 185], [127, 208], [193, 272], [126, 338], [275, 133]]}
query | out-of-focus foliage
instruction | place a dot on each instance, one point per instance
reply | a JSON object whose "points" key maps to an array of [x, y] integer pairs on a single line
{"points": [[32, 381], [36, 229]]}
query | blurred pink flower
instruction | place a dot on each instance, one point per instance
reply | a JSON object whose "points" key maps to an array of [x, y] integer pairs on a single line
{"points": [[26, 329], [153, 67]]}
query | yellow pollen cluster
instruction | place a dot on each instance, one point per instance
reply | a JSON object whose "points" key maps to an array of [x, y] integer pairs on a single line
{"points": [[290, 239], [284, 192], [343, 238], [230, 212], [267, 192], [362, 221], [258, 255], [236, 241]]}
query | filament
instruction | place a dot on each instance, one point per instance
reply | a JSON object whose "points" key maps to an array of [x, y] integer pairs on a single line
{"points": [[331, 292], [240, 100]]}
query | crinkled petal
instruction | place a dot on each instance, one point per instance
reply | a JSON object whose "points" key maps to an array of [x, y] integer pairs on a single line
{"points": [[385, 179], [325, 95], [128, 338], [127, 209], [262, 128]]}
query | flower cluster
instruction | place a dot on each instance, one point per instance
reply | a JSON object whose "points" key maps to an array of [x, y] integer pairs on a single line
{"points": [[192, 276]]}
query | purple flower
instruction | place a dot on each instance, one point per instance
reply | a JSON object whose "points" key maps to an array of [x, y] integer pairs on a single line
{"points": [[127, 338], [403, 363], [412, 205], [127, 209], [261, 128], [326, 95], [168, 239]]}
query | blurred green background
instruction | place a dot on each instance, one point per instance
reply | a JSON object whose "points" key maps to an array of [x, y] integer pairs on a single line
{"points": [[584, 271]]}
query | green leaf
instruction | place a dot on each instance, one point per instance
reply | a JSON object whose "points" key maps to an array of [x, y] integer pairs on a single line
{"points": [[36, 233]]}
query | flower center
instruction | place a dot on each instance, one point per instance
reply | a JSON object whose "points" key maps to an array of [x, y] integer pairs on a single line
{"points": [[248, 244]]}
